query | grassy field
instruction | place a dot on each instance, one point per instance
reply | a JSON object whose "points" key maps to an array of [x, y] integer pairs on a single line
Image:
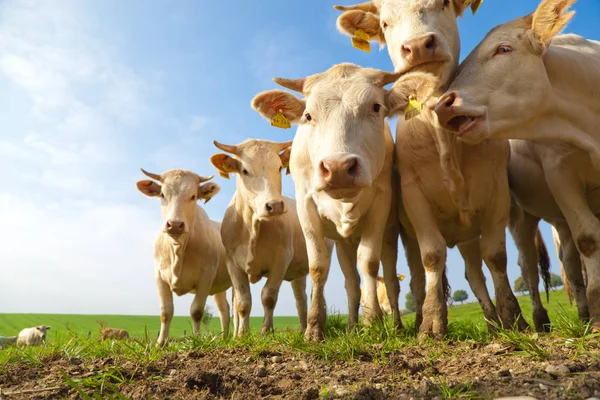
{"points": [[369, 362], [11, 324]]}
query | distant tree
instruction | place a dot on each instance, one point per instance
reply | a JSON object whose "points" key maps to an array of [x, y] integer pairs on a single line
{"points": [[520, 286], [555, 280], [460, 295], [410, 302]]}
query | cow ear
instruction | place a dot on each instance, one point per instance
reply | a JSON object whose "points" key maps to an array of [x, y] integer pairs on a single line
{"points": [[285, 159], [269, 103], [418, 86], [550, 18], [225, 164], [208, 191], [351, 21], [148, 187], [461, 5]]}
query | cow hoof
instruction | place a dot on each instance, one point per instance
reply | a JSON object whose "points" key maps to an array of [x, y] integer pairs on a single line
{"points": [[313, 334], [265, 330], [433, 329], [541, 321]]}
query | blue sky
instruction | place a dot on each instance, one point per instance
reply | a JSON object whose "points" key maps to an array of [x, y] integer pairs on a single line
{"points": [[93, 90]]}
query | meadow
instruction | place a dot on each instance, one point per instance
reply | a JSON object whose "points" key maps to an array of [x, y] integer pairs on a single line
{"points": [[369, 362]]}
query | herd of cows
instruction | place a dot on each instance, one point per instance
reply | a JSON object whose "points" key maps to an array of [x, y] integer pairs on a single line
{"points": [[451, 178]]}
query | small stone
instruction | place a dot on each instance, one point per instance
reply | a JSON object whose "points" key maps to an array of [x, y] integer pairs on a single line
{"points": [[261, 372], [557, 370], [543, 387], [303, 365], [423, 388], [276, 359], [592, 398], [570, 343], [172, 372], [249, 359], [516, 398]]}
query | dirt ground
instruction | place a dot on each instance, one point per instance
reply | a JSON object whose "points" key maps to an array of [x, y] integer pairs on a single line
{"points": [[458, 370]]}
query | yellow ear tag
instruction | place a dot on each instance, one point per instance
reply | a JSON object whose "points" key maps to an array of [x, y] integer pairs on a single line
{"points": [[475, 5], [280, 121], [224, 174], [361, 40], [414, 108]]}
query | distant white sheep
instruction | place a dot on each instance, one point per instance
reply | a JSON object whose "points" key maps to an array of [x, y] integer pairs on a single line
{"points": [[32, 336]]}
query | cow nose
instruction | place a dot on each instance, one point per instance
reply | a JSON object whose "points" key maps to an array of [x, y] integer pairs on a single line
{"points": [[420, 50], [274, 208], [175, 227], [444, 108], [339, 171]]}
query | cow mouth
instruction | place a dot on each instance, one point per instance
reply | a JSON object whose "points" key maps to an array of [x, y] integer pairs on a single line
{"points": [[462, 123]]}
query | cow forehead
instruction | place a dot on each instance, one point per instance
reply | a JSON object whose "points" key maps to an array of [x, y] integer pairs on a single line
{"points": [[355, 91], [395, 8], [180, 181], [259, 152]]}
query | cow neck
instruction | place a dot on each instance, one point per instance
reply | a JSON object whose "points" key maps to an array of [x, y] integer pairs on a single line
{"points": [[449, 150], [179, 248], [252, 224]]}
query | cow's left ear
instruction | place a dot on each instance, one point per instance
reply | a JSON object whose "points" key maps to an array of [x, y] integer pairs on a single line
{"points": [[207, 191], [417, 85], [461, 5], [550, 18], [285, 159], [271, 102], [357, 20]]}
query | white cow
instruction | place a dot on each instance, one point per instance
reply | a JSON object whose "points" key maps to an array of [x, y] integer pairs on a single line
{"points": [[341, 164], [188, 252], [32, 336], [551, 96], [452, 193], [260, 230]]}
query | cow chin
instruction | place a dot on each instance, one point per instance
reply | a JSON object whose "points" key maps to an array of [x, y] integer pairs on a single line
{"points": [[346, 193], [476, 132]]}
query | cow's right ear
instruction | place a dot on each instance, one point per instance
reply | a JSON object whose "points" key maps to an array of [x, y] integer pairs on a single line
{"points": [[225, 164], [351, 21], [269, 103], [148, 187]]}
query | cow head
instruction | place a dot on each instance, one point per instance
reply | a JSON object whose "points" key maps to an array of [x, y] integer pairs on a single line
{"points": [[178, 190], [41, 331], [340, 141], [258, 165], [503, 82], [419, 34]]}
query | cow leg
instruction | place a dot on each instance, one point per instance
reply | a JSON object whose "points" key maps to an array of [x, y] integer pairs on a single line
{"points": [[585, 229], [299, 288], [369, 253], [223, 307], [471, 253], [319, 262], [199, 302], [346, 253], [573, 268], [270, 293], [523, 227], [234, 313], [166, 309], [389, 259], [242, 303], [417, 274], [493, 248]]}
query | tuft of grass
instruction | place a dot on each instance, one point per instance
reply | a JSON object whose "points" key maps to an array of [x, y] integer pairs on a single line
{"points": [[464, 391]]}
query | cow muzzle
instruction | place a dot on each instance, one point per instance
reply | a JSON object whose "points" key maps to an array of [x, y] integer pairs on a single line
{"points": [[174, 227], [424, 49], [470, 124], [341, 176], [273, 208]]}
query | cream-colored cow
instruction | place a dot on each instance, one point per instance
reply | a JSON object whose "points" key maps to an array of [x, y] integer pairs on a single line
{"points": [[32, 336], [452, 193], [188, 252], [341, 164], [382, 296], [260, 230], [551, 101]]}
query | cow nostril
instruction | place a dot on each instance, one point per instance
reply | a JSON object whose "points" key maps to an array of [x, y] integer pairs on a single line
{"points": [[431, 43], [353, 168], [406, 49], [269, 208], [323, 169], [450, 100]]}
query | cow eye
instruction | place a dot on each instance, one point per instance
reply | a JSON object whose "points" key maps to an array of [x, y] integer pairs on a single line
{"points": [[503, 49], [280, 168], [308, 117], [245, 171], [162, 195], [384, 24], [446, 3], [376, 107], [194, 198]]}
